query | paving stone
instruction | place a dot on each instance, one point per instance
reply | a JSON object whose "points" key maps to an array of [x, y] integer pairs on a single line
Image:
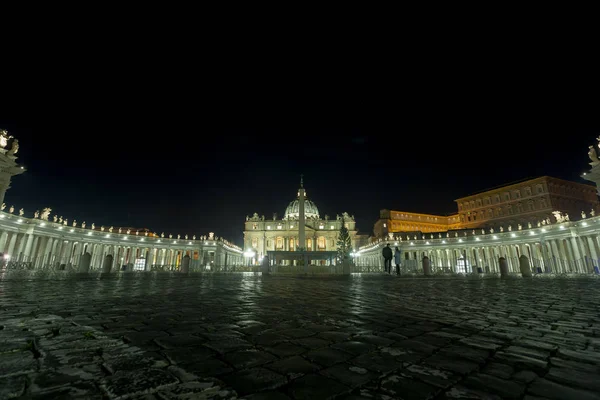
{"points": [[297, 333], [327, 356], [185, 355], [207, 367], [463, 392], [254, 380], [269, 395], [583, 380], [140, 381], [204, 389], [293, 365], [248, 358], [430, 375], [334, 336], [173, 342], [142, 338], [478, 356], [311, 342], [506, 389], [401, 387], [312, 386], [354, 347], [349, 375], [286, 349], [17, 363], [230, 344], [456, 365], [377, 361], [12, 387], [373, 339], [557, 391]]}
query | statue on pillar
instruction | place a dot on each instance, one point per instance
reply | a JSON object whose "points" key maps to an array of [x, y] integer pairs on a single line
{"points": [[162, 234], [548, 221], [593, 156], [519, 227], [170, 236], [439, 235], [592, 212], [128, 231], [11, 209], [120, 230], [136, 233], [567, 217], [186, 237], [14, 148], [529, 225], [4, 138], [66, 222], [74, 223], [211, 235], [501, 229], [146, 233], [83, 224], [3, 206], [539, 224], [21, 212], [55, 218], [102, 228], [36, 214], [60, 219], [491, 230], [583, 216], [194, 237], [178, 236], [93, 226], [110, 229], [543, 222]]}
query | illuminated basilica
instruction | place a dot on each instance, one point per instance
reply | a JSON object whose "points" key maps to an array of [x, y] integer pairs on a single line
{"points": [[262, 235]]}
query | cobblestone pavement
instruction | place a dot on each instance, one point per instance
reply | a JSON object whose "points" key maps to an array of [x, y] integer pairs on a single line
{"points": [[148, 336]]}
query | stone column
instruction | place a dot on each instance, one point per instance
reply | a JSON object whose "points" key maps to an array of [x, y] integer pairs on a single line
{"points": [[3, 239], [503, 267], [524, 266], [84, 263], [107, 265], [185, 264], [426, 266]]}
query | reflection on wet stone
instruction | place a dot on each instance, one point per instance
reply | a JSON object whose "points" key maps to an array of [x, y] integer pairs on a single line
{"points": [[258, 337]]}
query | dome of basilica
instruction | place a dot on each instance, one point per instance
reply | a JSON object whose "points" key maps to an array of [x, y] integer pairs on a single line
{"points": [[310, 210]]}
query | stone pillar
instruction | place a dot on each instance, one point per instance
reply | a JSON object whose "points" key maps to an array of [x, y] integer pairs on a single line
{"points": [[84, 262], [185, 265], [524, 266], [426, 266], [301, 219], [503, 267], [108, 260]]}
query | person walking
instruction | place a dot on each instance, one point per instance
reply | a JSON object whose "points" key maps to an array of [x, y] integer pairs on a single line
{"points": [[387, 258], [398, 259]]}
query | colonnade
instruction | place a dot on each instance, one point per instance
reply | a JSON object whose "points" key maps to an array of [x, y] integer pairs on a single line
{"points": [[566, 247], [36, 244]]}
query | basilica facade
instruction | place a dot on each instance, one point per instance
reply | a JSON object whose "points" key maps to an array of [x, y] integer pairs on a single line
{"points": [[262, 235]]}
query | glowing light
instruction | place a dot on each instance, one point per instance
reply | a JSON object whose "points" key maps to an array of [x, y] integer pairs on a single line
{"points": [[494, 237], [459, 240], [512, 235], [543, 229], [443, 242], [249, 254], [477, 239], [142, 239], [19, 220], [107, 235], [89, 233], [190, 243], [60, 228], [43, 224], [71, 230], [584, 223]]}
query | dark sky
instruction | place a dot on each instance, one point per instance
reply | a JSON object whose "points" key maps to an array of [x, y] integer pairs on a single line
{"points": [[193, 156]]}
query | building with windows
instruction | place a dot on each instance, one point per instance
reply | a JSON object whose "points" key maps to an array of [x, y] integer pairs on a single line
{"points": [[263, 235], [524, 203]]}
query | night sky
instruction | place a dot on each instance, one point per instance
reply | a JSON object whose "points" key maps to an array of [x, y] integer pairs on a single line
{"points": [[192, 167]]}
